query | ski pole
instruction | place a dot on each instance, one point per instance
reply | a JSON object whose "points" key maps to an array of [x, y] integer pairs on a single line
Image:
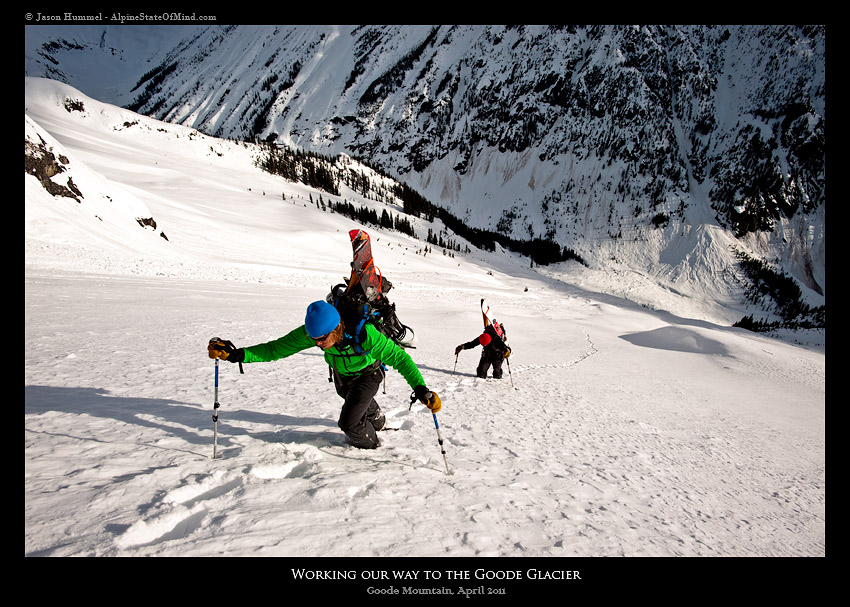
{"points": [[215, 411], [508, 360], [440, 440], [437, 426], [455, 369]]}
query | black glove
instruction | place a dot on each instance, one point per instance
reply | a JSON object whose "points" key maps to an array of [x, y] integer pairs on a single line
{"points": [[427, 398], [458, 349]]}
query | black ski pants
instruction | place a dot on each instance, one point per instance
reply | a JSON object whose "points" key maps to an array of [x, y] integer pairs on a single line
{"points": [[360, 412], [490, 357]]}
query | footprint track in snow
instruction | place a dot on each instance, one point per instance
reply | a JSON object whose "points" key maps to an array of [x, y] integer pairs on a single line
{"points": [[180, 511], [294, 469], [300, 461]]}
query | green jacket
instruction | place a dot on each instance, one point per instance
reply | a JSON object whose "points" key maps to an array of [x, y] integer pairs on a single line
{"points": [[376, 348]]}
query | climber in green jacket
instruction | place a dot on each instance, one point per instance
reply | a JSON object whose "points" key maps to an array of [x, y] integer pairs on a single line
{"points": [[357, 371]]}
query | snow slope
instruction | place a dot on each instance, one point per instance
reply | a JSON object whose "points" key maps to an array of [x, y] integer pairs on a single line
{"points": [[622, 429]]}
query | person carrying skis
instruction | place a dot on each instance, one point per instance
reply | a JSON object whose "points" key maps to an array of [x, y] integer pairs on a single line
{"points": [[357, 373], [494, 350]]}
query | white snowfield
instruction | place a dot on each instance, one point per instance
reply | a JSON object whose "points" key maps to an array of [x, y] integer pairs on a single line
{"points": [[622, 429]]}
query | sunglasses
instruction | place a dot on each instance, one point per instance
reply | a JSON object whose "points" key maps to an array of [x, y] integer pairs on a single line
{"points": [[322, 338]]}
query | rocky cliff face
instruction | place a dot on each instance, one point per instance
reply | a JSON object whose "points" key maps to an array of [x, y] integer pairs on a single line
{"points": [[621, 142]]}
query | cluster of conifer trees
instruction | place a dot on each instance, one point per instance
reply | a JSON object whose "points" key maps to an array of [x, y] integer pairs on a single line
{"points": [[766, 285], [320, 172]]}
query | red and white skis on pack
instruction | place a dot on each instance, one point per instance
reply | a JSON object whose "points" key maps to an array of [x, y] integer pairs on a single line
{"points": [[488, 320]]}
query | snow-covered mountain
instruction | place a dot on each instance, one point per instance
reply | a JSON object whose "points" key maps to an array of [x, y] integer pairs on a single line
{"points": [[669, 152], [618, 430]]}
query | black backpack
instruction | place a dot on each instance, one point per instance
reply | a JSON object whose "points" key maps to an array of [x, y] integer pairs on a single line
{"points": [[498, 338], [356, 310]]}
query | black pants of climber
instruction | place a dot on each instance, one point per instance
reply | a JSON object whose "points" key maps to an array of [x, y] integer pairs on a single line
{"points": [[360, 417], [488, 359]]}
